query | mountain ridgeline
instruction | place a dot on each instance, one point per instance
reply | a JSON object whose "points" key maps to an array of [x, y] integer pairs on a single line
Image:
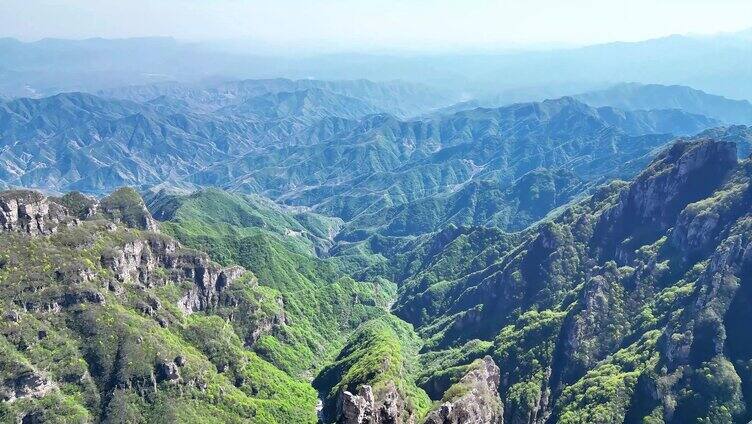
{"points": [[333, 153], [719, 64], [352, 252], [632, 96], [626, 307]]}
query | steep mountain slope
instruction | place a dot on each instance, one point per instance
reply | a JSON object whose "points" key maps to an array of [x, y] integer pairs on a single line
{"points": [[343, 252], [632, 96], [287, 146], [624, 260], [626, 307], [121, 323], [103, 322], [336, 329], [373, 376], [384, 165], [526, 200], [322, 303], [739, 135]]}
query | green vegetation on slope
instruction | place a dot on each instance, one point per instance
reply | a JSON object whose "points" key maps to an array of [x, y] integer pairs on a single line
{"points": [[80, 344], [212, 219], [322, 304], [626, 307], [381, 353]]}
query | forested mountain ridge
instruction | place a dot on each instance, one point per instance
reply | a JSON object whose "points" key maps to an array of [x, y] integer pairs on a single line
{"points": [[311, 251], [323, 150], [625, 306], [383, 164], [119, 322], [110, 313], [375, 212]]}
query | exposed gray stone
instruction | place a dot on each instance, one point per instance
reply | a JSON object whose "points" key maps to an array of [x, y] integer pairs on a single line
{"points": [[480, 404], [29, 212]]}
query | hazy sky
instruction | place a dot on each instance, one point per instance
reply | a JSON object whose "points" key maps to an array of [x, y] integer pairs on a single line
{"points": [[372, 24]]}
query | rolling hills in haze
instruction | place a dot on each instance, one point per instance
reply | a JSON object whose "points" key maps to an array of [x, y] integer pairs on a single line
{"points": [[314, 148], [715, 64], [653, 96]]}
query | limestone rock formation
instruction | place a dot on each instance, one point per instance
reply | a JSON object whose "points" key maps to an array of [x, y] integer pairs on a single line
{"points": [[30, 212], [478, 402], [126, 206], [682, 174], [386, 407]]}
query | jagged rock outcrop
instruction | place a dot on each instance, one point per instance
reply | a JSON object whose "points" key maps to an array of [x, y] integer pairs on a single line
{"points": [[386, 407], [267, 324], [478, 401], [28, 383], [80, 205], [684, 173], [596, 328], [701, 225], [703, 336], [660, 193], [356, 408], [168, 371], [135, 261], [30, 212], [643, 315], [87, 322], [209, 282]]}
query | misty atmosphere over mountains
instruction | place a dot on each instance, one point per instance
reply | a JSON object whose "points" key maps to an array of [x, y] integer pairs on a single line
{"points": [[293, 213], [717, 64]]}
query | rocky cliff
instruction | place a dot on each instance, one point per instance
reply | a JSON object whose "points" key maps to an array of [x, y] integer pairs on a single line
{"points": [[31, 213], [106, 318], [472, 400], [625, 307], [363, 408]]}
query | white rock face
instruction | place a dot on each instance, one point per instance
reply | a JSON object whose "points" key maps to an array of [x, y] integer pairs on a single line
{"points": [[479, 405], [29, 212]]}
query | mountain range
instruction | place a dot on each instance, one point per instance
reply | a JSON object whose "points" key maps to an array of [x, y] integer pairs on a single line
{"points": [[396, 97], [627, 305], [623, 308], [632, 96], [350, 252], [336, 154], [716, 64]]}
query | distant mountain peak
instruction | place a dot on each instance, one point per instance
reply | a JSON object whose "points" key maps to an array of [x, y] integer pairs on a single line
{"points": [[635, 96]]}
